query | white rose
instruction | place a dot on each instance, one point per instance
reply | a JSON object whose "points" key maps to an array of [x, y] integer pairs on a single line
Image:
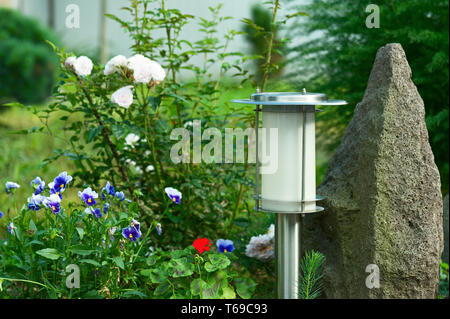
{"points": [[131, 139], [140, 65], [157, 72], [69, 61], [145, 70], [83, 66], [114, 64], [123, 96]]}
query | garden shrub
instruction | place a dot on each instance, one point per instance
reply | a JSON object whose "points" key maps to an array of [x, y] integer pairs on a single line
{"points": [[118, 122], [27, 63]]}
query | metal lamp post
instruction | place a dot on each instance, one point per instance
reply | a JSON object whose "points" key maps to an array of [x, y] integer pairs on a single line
{"points": [[289, 191]]}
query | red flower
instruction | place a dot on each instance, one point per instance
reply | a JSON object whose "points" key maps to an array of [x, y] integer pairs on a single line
{"points": [[202, 244]]}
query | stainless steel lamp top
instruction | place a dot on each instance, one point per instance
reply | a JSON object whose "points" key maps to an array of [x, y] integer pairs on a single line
{"points": [[289, 98]]}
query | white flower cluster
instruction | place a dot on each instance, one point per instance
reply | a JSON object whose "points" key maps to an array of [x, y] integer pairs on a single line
{"points": [[82, 65], [261, 247], [115, 64], [144, 69]]}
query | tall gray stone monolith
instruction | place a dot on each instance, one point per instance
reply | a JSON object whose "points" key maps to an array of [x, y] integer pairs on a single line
{"points": [[383, 204], [445, 253]]}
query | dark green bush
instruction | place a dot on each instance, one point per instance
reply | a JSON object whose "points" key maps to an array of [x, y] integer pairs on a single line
{"points": [[27, 62]]}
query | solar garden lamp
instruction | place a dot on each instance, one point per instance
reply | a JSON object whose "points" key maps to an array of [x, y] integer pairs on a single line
{"points": [[287, 187]]}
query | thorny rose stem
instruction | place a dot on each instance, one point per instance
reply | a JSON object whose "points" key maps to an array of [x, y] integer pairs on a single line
{"points": [[108, 139]]}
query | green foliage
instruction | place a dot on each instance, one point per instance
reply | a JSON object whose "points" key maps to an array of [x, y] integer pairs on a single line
{"points": [[256, 31], [444, 281], [27, 64], [261, 32], [311, 269], [184, 274], [35, 255], [338, 61]]}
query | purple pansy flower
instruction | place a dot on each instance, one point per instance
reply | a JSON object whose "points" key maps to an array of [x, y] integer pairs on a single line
{"points": [[54, 191], [61, 182], [11, 228], [120, 196], [174, 194], [159, 229], [131, 233], [53, 202], [10, 186], [38, 184], [88, 196], [1, 214], [35, 202], [134, 223], [106, 208], [108, 190], [96, 212], [112, 230], [225, 245]]}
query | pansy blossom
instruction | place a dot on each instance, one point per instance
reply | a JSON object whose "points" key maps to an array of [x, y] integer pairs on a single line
{"points": [[53, 202], [11, 228], [88, 196], [107, 190], [120, 196], [159, 229], [225, 245], [131, 233], [94, 211], [10, 186], [38, 184], [35, 202], [174, 194], [61, 181]]}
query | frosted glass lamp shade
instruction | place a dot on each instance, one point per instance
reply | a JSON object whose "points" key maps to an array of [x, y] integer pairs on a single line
{"points": [[291, 187]]}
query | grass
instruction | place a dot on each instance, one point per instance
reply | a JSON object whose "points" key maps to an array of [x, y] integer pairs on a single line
{"points": [[21, 156]]}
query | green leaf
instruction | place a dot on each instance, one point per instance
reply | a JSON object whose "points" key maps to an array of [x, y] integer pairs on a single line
{"points": [[32, 226], [154, 102], [81, 252], [158, 276], [217, 261], [119, 262], [161, 289], [80, 232], [49, 253], [181, 267], [196, 285], [130, 293], [13, 104], [150, 261], [245, 287], [93, 132], [228, 293]]}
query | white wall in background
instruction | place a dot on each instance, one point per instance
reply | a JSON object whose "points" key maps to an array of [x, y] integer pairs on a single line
{"points": [[87, 37]]}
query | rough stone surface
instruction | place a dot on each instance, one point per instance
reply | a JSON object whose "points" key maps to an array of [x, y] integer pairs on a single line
{"points": [[446, 250], [383, 203]]}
